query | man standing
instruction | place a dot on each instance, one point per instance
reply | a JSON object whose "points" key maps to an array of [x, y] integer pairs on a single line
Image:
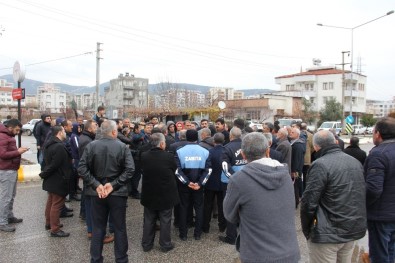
{"points": [[221, 127], [232, 161], [106, 166], [355, 151], [87, 136], [213, 188], [380, 190], [260, 199], [297, 160], [56, 175], [192, 171], [333, 212], [99, 117], [159, 193], [284, 147], [40, 134], [206, 141], [10, 159]]}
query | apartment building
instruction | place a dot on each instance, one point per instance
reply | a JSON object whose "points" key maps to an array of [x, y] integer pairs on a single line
{"points": [[125, 93], [51, 99], [319, 84], [379, 108]]}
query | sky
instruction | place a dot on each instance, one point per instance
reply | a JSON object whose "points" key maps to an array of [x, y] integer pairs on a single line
{"points": [[221, 43]]}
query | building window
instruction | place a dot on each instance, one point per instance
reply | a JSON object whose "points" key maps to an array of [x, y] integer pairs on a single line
{"points": [[330, 85], [325, 86], [48, 97], [289, 87]]}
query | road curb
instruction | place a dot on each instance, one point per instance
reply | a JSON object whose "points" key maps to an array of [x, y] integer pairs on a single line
{"points": [[29, 172]]}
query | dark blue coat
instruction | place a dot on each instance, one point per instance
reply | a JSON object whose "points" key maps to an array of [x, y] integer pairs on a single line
{"points": [[380, 182], [214, 181]]}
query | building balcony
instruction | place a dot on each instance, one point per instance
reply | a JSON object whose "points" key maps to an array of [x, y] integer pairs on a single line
{"points": [[129, 87]]}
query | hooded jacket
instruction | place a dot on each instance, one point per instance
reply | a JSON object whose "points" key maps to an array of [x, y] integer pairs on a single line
{"points": [[333, 204], [57, 171], [10, 158], [85, 138], [260, 197], [42, 130]]}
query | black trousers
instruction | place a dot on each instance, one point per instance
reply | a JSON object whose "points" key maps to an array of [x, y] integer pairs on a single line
{"points": [[209, 197], [115, 206], [134, 182], [231, 229], [189, 197], [150, 217]]}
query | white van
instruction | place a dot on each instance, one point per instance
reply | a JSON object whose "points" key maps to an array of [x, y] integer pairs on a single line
{"points": [[337, 125]]}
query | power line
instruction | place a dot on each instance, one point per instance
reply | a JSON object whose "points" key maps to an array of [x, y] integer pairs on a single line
{"points": [[154, 42], [52, 60], [117, 26]]}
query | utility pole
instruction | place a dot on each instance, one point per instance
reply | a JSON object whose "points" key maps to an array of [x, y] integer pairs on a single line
{"points": [[343, 90], [97, 73]]}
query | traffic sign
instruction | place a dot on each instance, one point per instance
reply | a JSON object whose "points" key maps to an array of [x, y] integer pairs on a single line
{"points": [[350, 119], [18, 94], [349, 128]]}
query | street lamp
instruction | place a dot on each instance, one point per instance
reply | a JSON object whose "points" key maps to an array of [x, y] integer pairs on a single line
{"points": [[352, 45]]}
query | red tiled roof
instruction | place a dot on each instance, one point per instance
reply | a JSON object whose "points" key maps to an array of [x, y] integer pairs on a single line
{"points": [[316, 72]]}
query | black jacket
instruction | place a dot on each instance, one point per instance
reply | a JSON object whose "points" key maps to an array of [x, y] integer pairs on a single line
{"points": [[159, 188], [333, 204], [85, 138], [356, 152], [106, 161], [42, 130], [58, 168]]}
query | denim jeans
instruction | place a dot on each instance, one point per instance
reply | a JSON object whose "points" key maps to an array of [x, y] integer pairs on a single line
{"points": [[8, 180], [381, 241]]}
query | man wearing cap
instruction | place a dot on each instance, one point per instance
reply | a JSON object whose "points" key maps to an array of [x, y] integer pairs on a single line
{"points": [[192, 172], [10, 159]]}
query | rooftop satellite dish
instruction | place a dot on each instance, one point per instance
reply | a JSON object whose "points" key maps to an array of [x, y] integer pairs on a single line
{"points": [[316, 61], [221, 105], [307, 97]]}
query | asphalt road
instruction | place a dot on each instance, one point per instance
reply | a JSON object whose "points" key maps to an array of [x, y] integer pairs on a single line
{"points": [[31, 243]]}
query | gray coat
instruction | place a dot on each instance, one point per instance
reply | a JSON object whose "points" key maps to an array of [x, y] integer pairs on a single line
{"points": [[261, 198], [333, 203]]}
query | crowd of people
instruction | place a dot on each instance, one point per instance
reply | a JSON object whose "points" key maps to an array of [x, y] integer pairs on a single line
{"points": [[251, 181]]}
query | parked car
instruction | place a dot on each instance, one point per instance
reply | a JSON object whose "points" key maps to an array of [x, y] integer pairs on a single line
{"points": [[287, 122], [337, 125], [369, 130], [28, 127], [358, 129]]}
